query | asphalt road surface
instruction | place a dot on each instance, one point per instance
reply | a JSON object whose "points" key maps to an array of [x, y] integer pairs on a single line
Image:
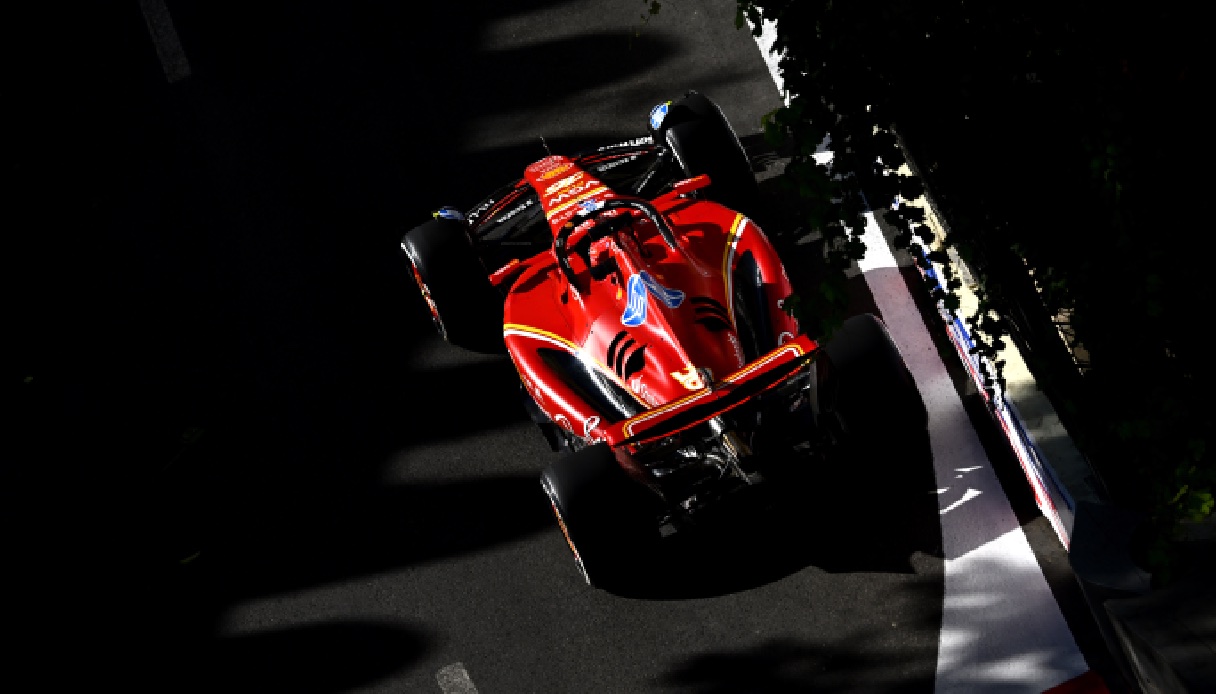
{"points": [[243, 460]]}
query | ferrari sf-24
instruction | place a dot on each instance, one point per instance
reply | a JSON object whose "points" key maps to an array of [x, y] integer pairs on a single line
{"points": [[644, 311]]}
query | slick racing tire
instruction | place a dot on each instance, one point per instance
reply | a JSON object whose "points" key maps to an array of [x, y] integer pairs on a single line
{"points": [[604, 516], [703, 142], [465, 307], [868, 390]]}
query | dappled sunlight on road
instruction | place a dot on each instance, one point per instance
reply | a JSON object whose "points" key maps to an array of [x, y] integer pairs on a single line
{"points": [[1001, 626]]}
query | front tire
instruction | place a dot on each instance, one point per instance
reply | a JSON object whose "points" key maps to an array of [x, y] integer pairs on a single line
{"points": [[702, 139], [466, 309]]}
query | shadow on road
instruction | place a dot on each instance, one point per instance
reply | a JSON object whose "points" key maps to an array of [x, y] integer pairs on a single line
{"points": [[870, 661], [864, 510], [870, 654], [327, 657], [870, 511]]}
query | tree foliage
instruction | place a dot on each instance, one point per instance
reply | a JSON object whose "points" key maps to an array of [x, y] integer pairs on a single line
{"points": [[1059, 139]]}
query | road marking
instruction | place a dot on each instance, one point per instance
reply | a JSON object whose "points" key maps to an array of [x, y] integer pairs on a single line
{"points": [[454, 679], [1001, 625], [967, 496], [164, 37]]}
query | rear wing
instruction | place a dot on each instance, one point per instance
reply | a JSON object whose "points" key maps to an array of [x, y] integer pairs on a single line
{"points": [[769, 371]]}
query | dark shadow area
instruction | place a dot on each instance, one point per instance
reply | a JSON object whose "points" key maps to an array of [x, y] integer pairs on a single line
{"points": [[868, 508], [873, 658], [213, 328], [215, 498], [383, 529], [787, 666], [322, 658]]}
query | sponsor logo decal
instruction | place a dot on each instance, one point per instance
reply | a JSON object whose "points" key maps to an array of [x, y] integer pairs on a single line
{"points": [[563, 422], [556, 171], [563, 183], [533, 390], [542, 167], [589, 425], [739, 353], [591, 205], [671, 298], [515, 211], [658, 113], [690, 378], [615, 163], [636, 303], [640, 389], [477, 212], [636, 142], [785, 337], [448, 213], [569, 192], [638, 386]]}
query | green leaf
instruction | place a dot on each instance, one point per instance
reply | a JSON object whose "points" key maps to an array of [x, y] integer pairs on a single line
{"points": [[827, 290], [192, 435], [792, 305]]}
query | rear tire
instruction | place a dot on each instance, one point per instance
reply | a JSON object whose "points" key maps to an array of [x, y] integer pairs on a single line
{"points": [[604, 515], [466, 309], [868, 389], [703, 141]]}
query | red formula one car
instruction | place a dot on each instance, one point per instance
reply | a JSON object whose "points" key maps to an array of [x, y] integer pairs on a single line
{"points": [[643, 310]]}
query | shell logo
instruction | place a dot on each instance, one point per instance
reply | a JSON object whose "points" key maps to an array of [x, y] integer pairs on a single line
{"points": [[556, 171]]}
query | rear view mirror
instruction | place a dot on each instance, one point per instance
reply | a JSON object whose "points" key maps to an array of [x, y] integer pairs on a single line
{"points": [[689, 185]]}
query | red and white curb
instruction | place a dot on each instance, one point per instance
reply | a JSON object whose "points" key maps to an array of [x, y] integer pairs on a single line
{"points": [[1001, 626], [1053, 500]]}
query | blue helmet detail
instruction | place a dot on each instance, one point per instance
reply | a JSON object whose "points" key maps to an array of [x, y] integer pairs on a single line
{"points": [[449, 213], [658, 113]]}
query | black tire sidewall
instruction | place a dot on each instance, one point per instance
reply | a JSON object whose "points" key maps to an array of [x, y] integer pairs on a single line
{"points": [[703, 142], [604, 512], [869, 387], [469, 307]]}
